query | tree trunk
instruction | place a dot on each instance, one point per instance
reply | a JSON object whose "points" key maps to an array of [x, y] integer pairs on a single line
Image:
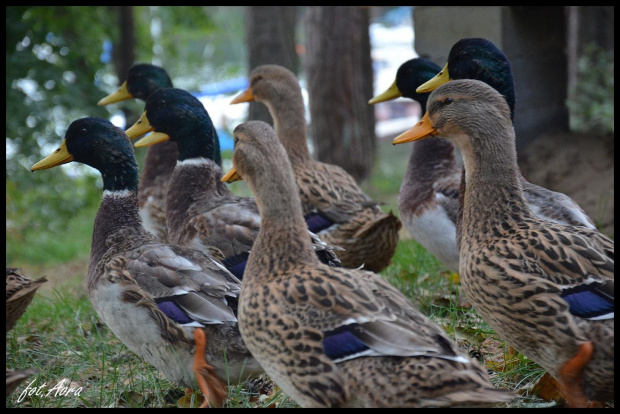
{"points": [[339, 78], [270, 38], [123, 52]]}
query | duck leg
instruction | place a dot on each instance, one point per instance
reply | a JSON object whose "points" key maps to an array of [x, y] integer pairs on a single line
{"points": [[210, 384], [570, 376]]}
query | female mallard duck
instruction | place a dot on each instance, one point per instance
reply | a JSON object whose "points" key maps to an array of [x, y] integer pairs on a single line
{"points": [[545, 288], [20, 290], [333, 336], [479, 59], [429, 195], [142, 80], [334, 205], [200, 209], [160, 300]]}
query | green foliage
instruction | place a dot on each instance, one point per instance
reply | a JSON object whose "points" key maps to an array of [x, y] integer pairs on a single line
{"points": [[213, 47], [50, 222], [592, 102], [52, 61]]}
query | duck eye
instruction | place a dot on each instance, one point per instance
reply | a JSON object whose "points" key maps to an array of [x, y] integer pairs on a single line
{"points": [[83, 131], [447, 101]]}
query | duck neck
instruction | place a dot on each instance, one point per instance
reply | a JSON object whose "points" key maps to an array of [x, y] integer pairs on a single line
{"points": [[119, 206], [493, 193], [159, 163], [283, 241], [430, 158], [192, 179], [289, 118]]}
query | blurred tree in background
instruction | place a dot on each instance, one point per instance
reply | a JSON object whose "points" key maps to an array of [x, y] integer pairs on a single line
{"points": [[339, 77], [270, 39]]}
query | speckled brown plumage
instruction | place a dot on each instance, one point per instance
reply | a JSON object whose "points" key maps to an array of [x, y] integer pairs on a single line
{"points": [[545, 288], [367, 234], [20, 290], [201, 211], [336, 337]]}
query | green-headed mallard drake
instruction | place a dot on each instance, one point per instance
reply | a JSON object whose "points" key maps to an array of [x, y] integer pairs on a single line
{"points": [[20, 289], [333, 336], [334, 205], [429, 195], [547, 289], [480, 59], [159, 299], [201, 211], [142, 80]]}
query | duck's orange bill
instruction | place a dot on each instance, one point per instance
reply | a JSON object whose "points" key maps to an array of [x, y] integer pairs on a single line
{"points": [[421, 130], [231, 176], [245, 96]]}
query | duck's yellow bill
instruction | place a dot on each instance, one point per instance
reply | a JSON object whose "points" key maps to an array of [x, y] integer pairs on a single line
{"points": [[435, 82], [421, 130], [58, 157], [391, 93], [121, 94], [152, 139], [231, 176], [141, 127], [245, 96]]}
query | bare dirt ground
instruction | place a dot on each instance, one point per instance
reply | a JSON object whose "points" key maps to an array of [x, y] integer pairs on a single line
{"points": [[578, 165]]}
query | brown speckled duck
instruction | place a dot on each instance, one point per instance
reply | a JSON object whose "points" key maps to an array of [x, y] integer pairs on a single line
{"points": [[201, 211], [480, 59], [172, 305], [545, 288], [20, 290], [142, 80], [336, 337], [336, 209]]}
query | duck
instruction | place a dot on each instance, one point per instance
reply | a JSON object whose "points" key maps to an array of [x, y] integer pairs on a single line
{"points": [[142, 79], [333, 336], [480, 59], [14, 378], [335, 207], [546, 289], [20, 290], [172, 305], [428, 199], [201, 211]]}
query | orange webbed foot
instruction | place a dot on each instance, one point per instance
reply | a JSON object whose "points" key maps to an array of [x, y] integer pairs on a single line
{"points": [[570, 376], [210, 384]]}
